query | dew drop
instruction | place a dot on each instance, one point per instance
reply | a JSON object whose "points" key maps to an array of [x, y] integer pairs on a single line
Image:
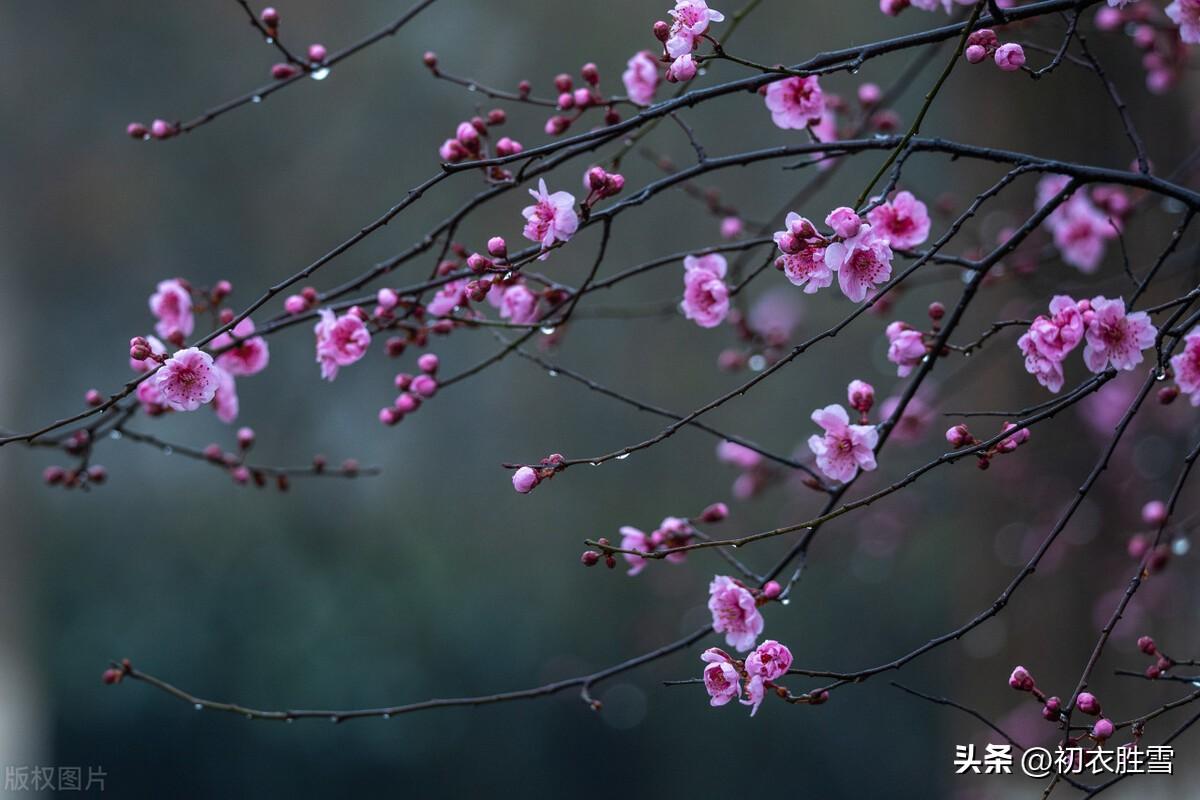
{"points": [[333, 720], [198, 707], [319, 74], [249, 716], [787, 601], [289, 720], [594, 463], [472, 87], [1181, 546], [168, 451], [548, 330], [387, 716], [114, 435], [552, 373], [623, 456], [256, 99], [757, 362], [270, 40]]}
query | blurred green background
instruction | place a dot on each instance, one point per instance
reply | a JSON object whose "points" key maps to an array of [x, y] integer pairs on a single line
{"points": [[436, 579]]}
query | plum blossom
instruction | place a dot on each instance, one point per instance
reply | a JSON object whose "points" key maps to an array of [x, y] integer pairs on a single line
{"points": [[682, 69], [248, 357], [172, 305], [1186, 14], [738, 455], [691, 18], [340, 341], [734, 612], [552, 218], [722, 680], [518, 304], [634, 539], [795, 102], [1057, 335], [705, 295], [770, 660], [861, 262], [150, 397], [906, 347], [844, 448], [1082, 233], [448, 298], [1115, 337], [904, 222], [1186, 366], [1048, 371], [187, 380], [641, 78], [806, 268], [845, 222], [755, 692], [1009, 57], [225, 401]]}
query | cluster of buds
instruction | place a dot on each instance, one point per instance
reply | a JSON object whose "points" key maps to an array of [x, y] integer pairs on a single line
{"points": [[304, 301], [1164, 53], [140, 350], [1087, 703], [234, 463], [959, 436], [1154, 515], [601, 184], [470, 142], [984, 43], [526, 478], [671, 534], [113, 675], [574, 101], [159, 129], [1162, 661], [81, 478], [413, 390]]}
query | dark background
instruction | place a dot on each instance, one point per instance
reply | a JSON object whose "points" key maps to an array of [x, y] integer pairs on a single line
{"points": [[437, 580]]}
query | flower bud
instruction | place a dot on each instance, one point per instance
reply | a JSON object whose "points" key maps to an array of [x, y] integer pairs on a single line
{"points": [[590, 73], [662, 31], [497, 247], [317, 53], [1021, 680], [428, 363], [524, 480], [136, 130], [1102, 729], [1154, 513], [1088, 704], [269, 17], [430, 59], [283, 71], [714, 513], [772, 590], [590, 558], [1146, 645]]}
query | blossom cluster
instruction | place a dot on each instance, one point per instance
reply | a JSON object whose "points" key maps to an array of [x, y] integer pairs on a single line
{"points": [[724, 675], [1084, 224], [1113, 337]]}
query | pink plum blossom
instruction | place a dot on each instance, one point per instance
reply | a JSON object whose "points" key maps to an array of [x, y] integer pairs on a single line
{"points": [[795, 102], [1048, 371], [1186, 14], [904, 222], [524, 479], [806, 268], [1081, 234], [187, 380], [340, 341], [682, 69], [248, 357], [906, 347], [1186, 366], [771, 660], [721, 678], [691, 18], [172, 305], [734, 612], [861, 262], [150, 397], [844, 448], [845, 222], [705, 295], [634, 539], [552, 218], [738, 455], [1057, 335], [755, 692], [225, 401], [448, 298], [519, 305], [641, 78], [1115, 337], [1010, 57]]}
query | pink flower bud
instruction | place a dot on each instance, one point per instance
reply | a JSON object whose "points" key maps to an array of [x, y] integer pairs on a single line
{"points": [[1010, 57], [974, 54], [161, 129], [1102, 729], [732, 227], [213, 453], [269, 17], [869, 94], [282, 71], [590, 558], [245, 438], [389, 416], [295, 304], [985, 38], [1146, 645], [428, 363], [93, 398], [861, 396], [53, 475], [387, 298], [407, 403], [524, 479], [241, 475], [844, 221], [1109, 19], [1051, 710], [467, 136], [497, 247], [557, 124], [893, 7], [563, 82], [1021, 680], [582, 97], [430, 59], [681, 69], [497, 116], [958, 436], [136, 130], [424, 385], [662, 31], [714, 513], [508, 147], [772, 590], [590, 73], [316, 53], [1154, 513], [1088, 704]]}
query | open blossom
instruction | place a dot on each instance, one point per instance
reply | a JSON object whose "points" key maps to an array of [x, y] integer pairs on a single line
{"points": [[1048, 371], [705, 295], [634, 539], [1186, 366], [1186, 14], [861, 262], [249, 357], [1114, 337], [340, 341], [806, 268], [519, 305], [691, 18], [734, 612], [552, 218], [721, 678], [795, 102], [904, 222], [225, 401], [187, 380], [770, 660], [906, 347], [1081, 234], [150, 397], [448, 298], [172, 304], [641, 78], [844, 448], [1057, 335]]}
